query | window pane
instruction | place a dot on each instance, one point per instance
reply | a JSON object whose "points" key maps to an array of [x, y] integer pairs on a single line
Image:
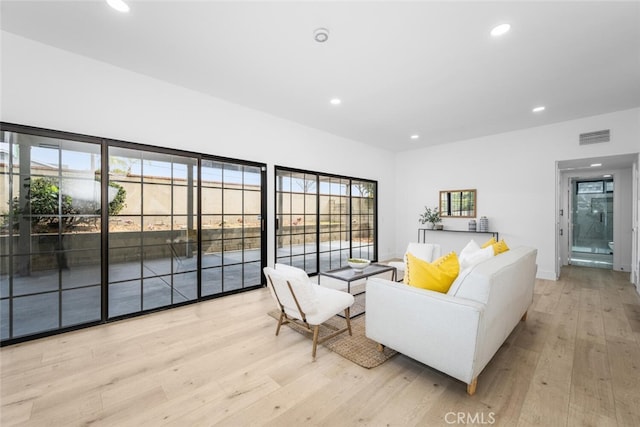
{"points": [[252, 201], [35, 313], [185, 287], [156, 199], [211, 201], [4, 319], [232, 278], [81, 306], [211, 281], [124, 298], [252, 274], [156, 292], [124, 263]]}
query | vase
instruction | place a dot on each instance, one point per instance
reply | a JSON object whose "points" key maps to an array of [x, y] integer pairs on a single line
{"points": [[484, 224]]}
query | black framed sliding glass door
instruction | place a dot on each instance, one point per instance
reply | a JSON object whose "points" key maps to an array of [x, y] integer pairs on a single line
{"points": [[50, 234], [94, 229], [232, 226], [321, 220], [152, 239]]}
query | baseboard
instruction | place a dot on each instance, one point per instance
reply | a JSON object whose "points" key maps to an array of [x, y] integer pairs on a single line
{"points": [[546, 275]]}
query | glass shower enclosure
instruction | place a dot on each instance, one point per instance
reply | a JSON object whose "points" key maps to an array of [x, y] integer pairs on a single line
{"points": [[592, 242]]}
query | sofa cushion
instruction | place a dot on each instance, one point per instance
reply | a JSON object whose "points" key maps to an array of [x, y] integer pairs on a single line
{"points": [[472, 254], [475, 282], [453, 290], [437, 276]]}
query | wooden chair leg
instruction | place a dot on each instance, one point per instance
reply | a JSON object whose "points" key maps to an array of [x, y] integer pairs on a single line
{"points": [[524, 316], [316, 330], [280, 322], [471, 388], [348, 318]]}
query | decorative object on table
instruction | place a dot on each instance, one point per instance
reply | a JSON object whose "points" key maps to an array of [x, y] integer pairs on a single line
{"points": [[358, 264], [472, 225], [439, 227], [431, 216], [484, 224]]}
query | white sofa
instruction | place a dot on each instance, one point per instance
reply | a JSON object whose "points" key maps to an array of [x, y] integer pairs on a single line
{"points": [[459, 332]]}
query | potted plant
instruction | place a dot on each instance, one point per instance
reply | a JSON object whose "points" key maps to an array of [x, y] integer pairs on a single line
{"points": [[430, 215]]}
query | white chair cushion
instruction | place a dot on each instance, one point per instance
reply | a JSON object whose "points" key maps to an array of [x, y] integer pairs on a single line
{"points": [[304, 289], [290, 269], [298, 274], [330, 303]]}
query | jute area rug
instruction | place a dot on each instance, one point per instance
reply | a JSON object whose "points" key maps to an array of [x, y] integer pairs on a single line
{"points": [[357, 347]]}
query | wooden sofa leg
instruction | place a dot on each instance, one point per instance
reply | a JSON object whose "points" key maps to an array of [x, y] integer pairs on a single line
{"points": [[380, 348], [524, 316], [471, 388]]}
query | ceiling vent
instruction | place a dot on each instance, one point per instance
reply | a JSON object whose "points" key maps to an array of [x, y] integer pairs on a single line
{"points": [[595, 137]]}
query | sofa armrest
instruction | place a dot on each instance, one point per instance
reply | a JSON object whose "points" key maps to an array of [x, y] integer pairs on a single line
{"points": [[436, 329]]}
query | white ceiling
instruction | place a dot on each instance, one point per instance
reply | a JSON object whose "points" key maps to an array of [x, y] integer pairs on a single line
{"points": [[400, 68]]}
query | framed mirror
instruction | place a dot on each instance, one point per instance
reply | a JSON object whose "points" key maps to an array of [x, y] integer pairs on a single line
{"points": [[458, 203]]}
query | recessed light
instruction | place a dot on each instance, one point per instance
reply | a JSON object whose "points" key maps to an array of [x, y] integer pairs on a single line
{"points": [[606, 176], [539, 109], [415, 136], [335, 101], [499, 30], [118, 5], [595, 165]]}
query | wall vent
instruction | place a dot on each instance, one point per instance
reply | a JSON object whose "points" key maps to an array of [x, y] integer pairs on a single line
{"points": [[595, 137]]}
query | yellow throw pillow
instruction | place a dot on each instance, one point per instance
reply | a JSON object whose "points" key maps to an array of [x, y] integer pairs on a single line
{"points": [[489, 242], [498, 247], [436, 276]]}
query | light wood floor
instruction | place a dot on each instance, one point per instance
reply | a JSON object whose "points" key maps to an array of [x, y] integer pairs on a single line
{"points": [[575, 362]]}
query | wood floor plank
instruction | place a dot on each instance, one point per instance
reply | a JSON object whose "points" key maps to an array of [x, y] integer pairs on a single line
{"points": [[624, 363], [548, 299], [590, 317], [364, 407], [591, 383]]}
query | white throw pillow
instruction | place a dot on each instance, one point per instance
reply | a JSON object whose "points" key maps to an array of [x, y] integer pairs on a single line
{"points": [[473, 254]]}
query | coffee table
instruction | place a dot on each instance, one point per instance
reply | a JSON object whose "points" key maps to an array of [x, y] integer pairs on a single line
{"points": [[349, 275]]}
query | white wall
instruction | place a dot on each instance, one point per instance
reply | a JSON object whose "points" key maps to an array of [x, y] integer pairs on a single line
{"points": [[515, 175], [50, 88]]}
